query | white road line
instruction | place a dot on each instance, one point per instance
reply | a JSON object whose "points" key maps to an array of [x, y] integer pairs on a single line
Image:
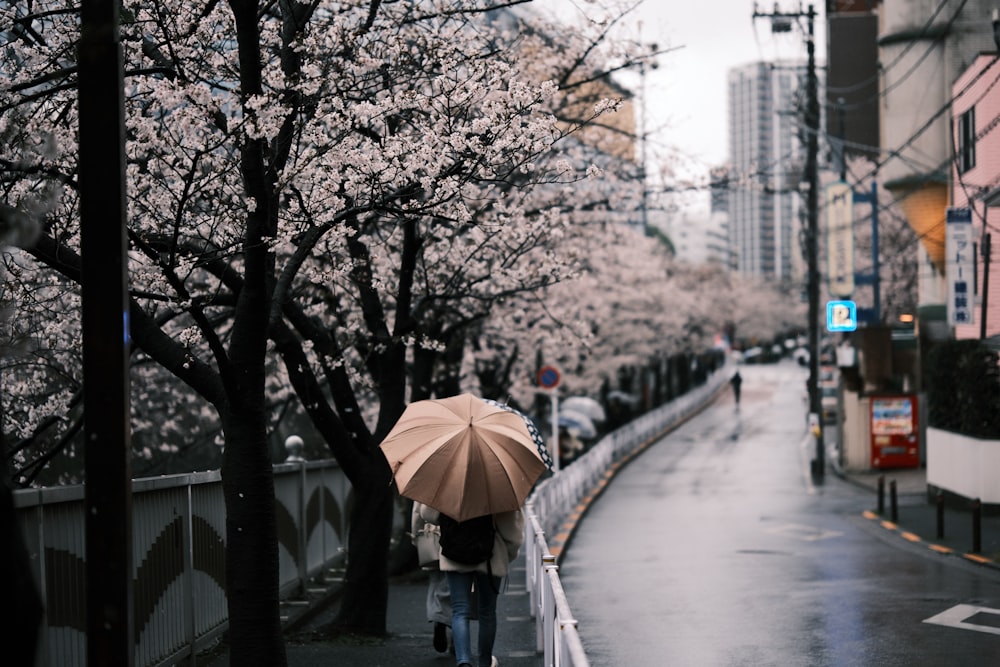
{"points": [[959, 617]]}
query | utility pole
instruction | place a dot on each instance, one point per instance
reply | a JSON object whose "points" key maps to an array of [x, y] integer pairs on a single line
{"points": [[782, 22], [812, 204], [105, 307]]}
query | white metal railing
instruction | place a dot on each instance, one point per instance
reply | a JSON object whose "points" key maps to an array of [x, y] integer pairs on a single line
{"points": [[556, 637], [555, 498], [179, 535]]}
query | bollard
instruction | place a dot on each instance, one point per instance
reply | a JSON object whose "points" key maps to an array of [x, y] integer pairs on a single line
{"points": [[881, 494], [893, 504], [939, 500], [977, 526]]}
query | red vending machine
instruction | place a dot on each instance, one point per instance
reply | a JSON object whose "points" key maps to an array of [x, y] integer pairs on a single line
{"points": [[895, 431]]}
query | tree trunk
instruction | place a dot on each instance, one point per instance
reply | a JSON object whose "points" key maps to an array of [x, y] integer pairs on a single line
{"points": [[247, 475], [366, 583], [251, 545]]}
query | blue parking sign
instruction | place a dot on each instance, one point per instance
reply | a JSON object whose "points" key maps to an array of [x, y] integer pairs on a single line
{"points": [[841, 316]]}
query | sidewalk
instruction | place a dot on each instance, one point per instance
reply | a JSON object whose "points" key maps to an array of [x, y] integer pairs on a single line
{"points": [[408, 642], [917, 515]]}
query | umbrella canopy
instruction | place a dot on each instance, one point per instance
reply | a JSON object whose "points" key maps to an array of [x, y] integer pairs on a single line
{"points": [[533, 430], [579, 424], [462, 456], [587, 406], [622, 397]]}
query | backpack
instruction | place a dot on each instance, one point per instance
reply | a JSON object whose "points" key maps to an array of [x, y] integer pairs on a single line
{"points": [[467, 542]]}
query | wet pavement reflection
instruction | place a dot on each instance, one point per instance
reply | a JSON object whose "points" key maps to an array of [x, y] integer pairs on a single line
{"points": [[716, 547]]}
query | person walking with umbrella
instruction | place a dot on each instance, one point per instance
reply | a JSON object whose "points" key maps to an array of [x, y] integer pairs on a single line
{"points": [[484, 578], [471, 464]]}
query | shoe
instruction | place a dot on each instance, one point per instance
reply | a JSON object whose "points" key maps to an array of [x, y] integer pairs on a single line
{"points": [[494, 662], [440, 637]]}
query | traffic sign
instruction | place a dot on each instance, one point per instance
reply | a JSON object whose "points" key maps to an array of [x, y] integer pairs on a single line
{"points": [[841, 316], [548, 377]]}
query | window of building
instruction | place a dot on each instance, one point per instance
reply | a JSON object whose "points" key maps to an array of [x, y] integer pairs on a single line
{"points": [[967, 141]]}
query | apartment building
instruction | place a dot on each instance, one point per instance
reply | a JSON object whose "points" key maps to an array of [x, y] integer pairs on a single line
{"points": [[767, 155]]}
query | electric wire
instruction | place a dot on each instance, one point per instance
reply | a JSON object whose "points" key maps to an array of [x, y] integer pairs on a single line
{"points": [[894, 153]]}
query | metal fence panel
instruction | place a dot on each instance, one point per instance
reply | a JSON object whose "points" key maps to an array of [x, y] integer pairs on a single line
{"points": [[179, 564]]}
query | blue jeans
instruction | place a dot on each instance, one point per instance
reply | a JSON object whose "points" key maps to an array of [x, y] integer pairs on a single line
{"points": [[460, 585]]}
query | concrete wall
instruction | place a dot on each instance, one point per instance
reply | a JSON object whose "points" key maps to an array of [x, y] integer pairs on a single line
{"points": [[963, 465]]}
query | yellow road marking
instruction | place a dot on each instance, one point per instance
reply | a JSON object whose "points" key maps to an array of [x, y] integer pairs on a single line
{"points": [[977, 558]]}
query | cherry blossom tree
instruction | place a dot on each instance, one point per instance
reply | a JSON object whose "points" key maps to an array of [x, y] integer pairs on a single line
{"points": [[337, 200], [630, 304], [330, 185]]}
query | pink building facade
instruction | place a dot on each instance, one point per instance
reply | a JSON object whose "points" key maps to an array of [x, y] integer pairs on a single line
{"points": [[975, 180]]}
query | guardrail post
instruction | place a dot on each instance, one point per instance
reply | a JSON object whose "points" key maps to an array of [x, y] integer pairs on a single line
{"points": [[303, 536], [893, 504], [977, 526], [548, 611], [881, 494], [563, 653]]}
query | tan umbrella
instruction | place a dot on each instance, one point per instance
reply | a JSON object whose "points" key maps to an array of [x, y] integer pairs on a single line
{"points": [[462, 456]]}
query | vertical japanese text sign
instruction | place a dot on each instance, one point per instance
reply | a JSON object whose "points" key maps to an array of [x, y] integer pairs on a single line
{"points": [[840, 239], [959, 265]]}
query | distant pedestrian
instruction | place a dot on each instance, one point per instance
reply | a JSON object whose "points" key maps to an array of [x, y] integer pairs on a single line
{"points": [[737, 382], [426, 537], [486, 578]]}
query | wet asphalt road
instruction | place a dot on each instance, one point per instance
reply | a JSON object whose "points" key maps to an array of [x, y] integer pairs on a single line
{"points": [[714, 547]]}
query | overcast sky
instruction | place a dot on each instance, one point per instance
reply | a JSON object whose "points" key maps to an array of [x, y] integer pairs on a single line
{"points": [[687, 92]]}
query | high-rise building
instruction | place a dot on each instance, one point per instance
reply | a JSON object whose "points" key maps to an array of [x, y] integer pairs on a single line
{"points": [[767, 155]]}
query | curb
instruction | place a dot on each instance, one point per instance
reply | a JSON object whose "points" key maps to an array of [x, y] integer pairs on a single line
{"points": [[913, 538]]}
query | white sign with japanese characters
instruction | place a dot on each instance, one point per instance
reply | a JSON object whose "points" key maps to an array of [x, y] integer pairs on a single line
{"points": [[840, 239], [960, 265]]}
